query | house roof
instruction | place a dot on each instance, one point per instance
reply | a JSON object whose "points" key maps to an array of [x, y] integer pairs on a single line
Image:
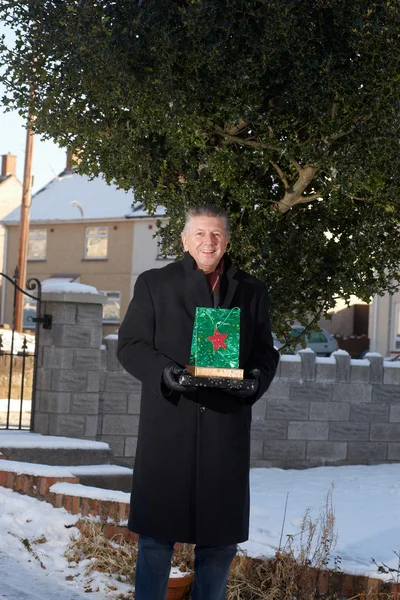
{"points": [[72, 197], [6, 177]]}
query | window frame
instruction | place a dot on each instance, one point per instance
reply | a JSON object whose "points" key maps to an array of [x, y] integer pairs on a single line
{"points": [[111, 321], [98, 236], [37, 238], [396, 330]]}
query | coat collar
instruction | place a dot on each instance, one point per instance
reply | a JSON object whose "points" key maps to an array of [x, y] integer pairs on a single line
{"points": [[197, 287]]}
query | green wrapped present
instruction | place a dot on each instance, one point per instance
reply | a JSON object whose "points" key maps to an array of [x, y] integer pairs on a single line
{"points": [[216, 338]]}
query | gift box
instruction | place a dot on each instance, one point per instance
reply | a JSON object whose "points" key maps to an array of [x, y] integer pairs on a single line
{"points": [[216, 342]]}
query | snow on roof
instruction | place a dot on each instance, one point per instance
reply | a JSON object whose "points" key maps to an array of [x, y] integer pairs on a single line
{"points": [[71, 197]]}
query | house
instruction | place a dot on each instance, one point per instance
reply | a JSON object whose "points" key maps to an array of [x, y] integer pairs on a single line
{"points": [[85, 231], [348, 323], [10, 198], [384, 324]]}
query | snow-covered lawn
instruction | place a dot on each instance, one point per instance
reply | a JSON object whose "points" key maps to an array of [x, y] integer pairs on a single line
{"points": [[366, 501], [33, 539]]}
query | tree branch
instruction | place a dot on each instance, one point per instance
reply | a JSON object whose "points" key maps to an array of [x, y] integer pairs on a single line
{"points": [[358, 198], [307, 199], [235, 129], [306, 328], [297, 165], [294, 194], [337, 136], [281, 174], [243, 142]]}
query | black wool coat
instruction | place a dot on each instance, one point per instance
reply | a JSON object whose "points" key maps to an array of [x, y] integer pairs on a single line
{"points": [[191, 473]]}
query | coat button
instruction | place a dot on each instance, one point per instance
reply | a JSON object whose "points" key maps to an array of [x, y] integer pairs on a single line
{"points": [[203, 409]]}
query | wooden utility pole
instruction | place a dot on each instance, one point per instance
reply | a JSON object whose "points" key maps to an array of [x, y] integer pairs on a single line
{"points": [[24, 225]]}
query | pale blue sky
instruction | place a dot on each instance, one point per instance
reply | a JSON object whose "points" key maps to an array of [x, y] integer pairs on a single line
{"points": [[48, 159]]}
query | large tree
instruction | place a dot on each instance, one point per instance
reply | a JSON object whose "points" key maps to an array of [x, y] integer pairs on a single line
{"points": [[286, 112]]}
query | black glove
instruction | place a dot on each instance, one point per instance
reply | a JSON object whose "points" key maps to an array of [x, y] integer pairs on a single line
{"points": [[253, 374], [171, 375]]}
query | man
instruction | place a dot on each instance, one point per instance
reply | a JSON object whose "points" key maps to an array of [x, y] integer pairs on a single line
{"points": [[191, 474]]}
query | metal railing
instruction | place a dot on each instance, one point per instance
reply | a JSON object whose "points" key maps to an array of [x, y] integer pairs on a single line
{"points": [[19, 369]]}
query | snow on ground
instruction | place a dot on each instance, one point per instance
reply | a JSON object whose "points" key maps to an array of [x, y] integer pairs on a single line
{"points": [[365, 500], [6, 338], [15, 405], [43, 572]]}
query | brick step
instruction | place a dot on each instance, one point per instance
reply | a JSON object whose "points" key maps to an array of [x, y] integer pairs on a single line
{"points": [[62, 488]]}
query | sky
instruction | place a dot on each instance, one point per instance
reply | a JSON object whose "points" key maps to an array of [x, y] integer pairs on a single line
{"points": [[48, 159]]}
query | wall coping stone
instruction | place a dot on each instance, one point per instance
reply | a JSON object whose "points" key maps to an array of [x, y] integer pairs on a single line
{"points": [[73, 297]]}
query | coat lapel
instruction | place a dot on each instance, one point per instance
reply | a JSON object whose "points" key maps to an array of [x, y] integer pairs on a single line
{"points": [[232, 283], [195, 290]]}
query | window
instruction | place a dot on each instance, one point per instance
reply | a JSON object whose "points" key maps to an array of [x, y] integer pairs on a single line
{"points": [[112, 309], [30, 306], [397, 327], [96, 243], [313, 337], [317, 337], [298, 333], [37, 243]]}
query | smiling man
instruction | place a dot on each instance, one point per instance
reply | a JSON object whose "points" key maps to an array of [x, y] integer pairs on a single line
{"points": [[191, 473], [205, 238]]}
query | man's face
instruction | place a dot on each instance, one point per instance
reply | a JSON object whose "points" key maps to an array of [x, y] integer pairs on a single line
{"points": [[205, 239]]}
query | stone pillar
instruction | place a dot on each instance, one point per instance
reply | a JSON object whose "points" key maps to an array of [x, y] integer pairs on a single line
{"points": [[119, 405], [67, 386]]}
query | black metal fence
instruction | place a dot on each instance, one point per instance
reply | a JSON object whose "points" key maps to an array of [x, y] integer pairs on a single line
{"points": [[18, 359]]}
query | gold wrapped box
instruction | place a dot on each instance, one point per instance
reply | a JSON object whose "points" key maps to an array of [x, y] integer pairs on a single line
{"points": [[215, 372]]}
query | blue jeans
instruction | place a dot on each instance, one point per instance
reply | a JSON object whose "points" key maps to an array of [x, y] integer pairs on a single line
{"points": [[211, 569]]}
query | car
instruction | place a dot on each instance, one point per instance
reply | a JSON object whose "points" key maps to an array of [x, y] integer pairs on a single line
{"points": [[321, 342]]}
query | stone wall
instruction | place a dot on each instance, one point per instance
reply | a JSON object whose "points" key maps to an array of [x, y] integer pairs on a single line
{"points": [[318, 411], [119, 405], [328, 411]]}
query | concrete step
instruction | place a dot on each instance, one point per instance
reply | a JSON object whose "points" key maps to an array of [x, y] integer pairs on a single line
{"points": [[35, 448], [105, 476], [109, 477], [58, 456]]}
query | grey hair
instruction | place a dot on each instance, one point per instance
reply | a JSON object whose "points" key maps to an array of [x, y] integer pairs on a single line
{"points": [[207, 210]]}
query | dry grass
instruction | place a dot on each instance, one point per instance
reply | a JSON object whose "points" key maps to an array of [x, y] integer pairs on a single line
{"points": [[284, 577], [318, 538], [115, 556], [289, 573]]}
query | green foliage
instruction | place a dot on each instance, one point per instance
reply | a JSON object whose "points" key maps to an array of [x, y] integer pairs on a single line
{"points": [[286, 112]]}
